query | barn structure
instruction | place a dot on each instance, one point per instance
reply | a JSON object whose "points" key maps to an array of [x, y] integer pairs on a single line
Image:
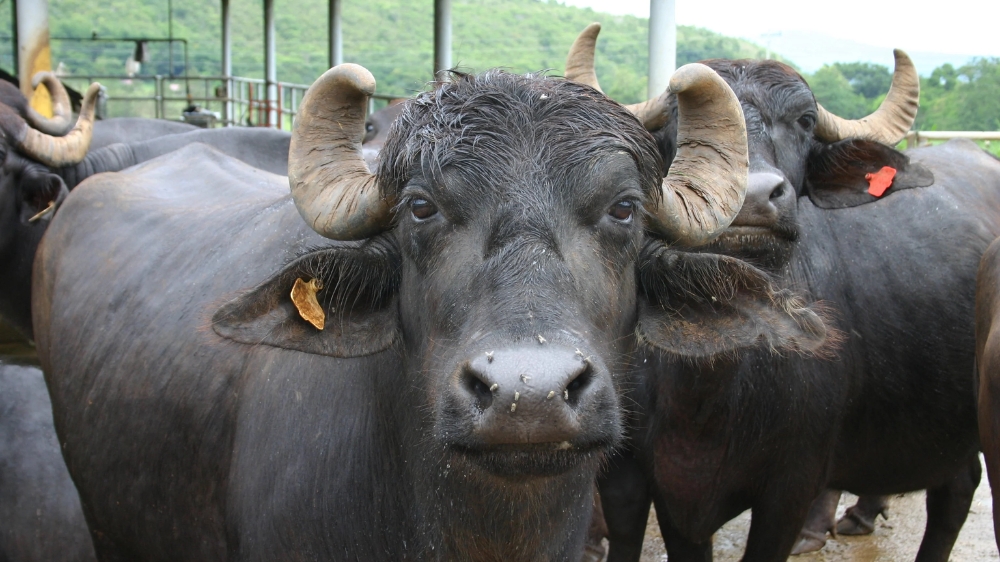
{"points": [[268, 102]]}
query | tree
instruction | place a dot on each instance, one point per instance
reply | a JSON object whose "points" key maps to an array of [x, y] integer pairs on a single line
{"points": [[866, 79], [835, 93], [963, 99]]}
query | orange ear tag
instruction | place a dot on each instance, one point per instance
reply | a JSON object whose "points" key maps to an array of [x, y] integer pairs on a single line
{"points": [[880, 181], [304, 298]]}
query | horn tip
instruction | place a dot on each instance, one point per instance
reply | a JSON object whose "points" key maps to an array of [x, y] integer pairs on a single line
{"points": [[348, 73], [40, 76], [901, 56], [689, 74], [590, 33]]}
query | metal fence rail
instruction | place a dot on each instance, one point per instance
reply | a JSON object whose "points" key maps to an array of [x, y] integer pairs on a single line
{"points": [[243, 101], [238, 100], [915, 138]]}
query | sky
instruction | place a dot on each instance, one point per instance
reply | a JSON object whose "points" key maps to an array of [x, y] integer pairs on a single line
{"points": [[966, 27]]}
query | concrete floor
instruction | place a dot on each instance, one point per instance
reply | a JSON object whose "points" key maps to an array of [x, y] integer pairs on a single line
{"points": [[895, 540]]}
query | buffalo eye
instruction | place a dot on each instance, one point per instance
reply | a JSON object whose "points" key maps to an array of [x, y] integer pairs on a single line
{"points": [[622, 211], [369, 127], [422, 209], [807, 121]]}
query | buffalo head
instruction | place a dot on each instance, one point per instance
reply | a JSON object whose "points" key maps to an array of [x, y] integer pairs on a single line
{"points": [[29, 188], [33, 144], [796, 147], [497, 250]]}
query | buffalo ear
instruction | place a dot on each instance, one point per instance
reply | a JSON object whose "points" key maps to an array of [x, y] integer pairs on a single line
{"points": [[699, 306], [39, 189], [358, 300], [835, 175]]}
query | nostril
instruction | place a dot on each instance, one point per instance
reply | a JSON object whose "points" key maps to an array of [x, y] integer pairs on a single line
{"points": [[579, 384], [478, 388], [778, 192]]}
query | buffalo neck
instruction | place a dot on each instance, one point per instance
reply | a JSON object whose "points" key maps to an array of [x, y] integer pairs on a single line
{"points": [[696, 395], [111, 158]]}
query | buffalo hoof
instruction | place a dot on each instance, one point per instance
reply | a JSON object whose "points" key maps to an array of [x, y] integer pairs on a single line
{"points": [[809, 541], [856, 523]]}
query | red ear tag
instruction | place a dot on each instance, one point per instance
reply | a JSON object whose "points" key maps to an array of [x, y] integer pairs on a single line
{"points": [[880, 180]]}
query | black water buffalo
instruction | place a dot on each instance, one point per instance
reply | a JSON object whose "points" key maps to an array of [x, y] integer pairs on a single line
{"points": [[33, 177], [23, 195], [988, 368], [429, 365], [28, 188], [893, 410], [377, 130], [134, 129], [40, 515]]}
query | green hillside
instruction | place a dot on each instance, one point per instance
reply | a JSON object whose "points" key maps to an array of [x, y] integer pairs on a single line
{"points": [[392, 38], [966, 98]]}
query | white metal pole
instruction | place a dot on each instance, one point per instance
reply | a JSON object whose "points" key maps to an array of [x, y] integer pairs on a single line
{"points": [[336, 34], [270, 67], [662, 45], [33, 53], [227, 62], [442, 35]]}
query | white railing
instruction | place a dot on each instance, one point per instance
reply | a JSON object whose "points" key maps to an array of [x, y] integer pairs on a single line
{"points": [[915, 138], [239, 100]]}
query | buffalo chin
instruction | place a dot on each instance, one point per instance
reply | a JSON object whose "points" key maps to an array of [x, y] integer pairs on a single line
{"points": [[762, 247], [539, 460]]}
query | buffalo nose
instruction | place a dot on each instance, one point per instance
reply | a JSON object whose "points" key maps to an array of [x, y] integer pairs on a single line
{"points": [[537, 394], [760, 208]]}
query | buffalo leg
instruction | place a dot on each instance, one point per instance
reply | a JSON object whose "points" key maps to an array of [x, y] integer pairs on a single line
{"points": [[625, 499], [989, 431], [947, 508], [679, 547], [989, 418], [821, 519], [776, 521], [860, 518]]}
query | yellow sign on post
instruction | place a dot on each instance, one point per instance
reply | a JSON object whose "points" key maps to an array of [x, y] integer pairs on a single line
{"points": [[33, 52], [40, 99]]}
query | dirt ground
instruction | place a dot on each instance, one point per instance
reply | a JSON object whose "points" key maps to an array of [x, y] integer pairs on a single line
{"points": [[895, 540]]}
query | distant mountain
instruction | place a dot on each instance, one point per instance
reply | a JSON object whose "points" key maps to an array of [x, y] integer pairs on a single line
{"points": [[811, 50]]}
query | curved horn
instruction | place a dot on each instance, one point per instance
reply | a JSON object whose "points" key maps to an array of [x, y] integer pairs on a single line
{"points": [[61, 151], [62, 113], [893, 118], [580, 60], [653, 113], [331, 186], [706, 184]]}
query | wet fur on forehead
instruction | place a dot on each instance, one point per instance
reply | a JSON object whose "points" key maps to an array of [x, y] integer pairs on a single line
{"points": [[764, 83], [478, 125]]}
